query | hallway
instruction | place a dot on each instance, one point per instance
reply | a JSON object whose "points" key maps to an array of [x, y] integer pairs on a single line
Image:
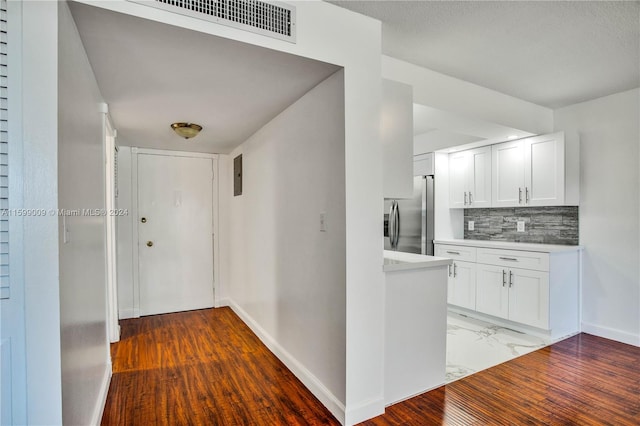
{"points": [[203, 367]]}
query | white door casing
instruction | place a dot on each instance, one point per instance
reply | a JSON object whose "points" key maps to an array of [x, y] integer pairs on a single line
{"points": [[110, 151], [175, 253]]}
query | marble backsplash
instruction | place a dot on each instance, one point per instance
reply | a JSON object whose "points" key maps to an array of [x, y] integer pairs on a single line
{"points": [[545, 225]]}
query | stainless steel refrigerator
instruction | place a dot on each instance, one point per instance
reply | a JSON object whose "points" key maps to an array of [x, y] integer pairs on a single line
{"points": [[408, 223]]}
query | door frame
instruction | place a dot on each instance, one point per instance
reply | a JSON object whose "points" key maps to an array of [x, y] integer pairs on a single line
{"points": [[110, 149], [215, 209]]}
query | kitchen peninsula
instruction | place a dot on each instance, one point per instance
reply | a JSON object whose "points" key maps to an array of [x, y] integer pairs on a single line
{"points": [[415, 324]]}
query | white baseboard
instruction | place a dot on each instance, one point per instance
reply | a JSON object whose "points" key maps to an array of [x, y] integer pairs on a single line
{"points": [[312, 383], [96, 419], [364, 411], [611, 334]]}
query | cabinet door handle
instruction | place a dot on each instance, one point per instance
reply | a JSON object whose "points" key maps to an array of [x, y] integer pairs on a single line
{"points": [[519, 195], [504, 278], [508, 258], [449, 270], [455, 272], [470, 198], [510, 279], [526, 195], [465, 198], [453, 252]]}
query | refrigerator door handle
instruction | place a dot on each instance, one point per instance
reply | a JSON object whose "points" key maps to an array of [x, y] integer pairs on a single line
{"points": [[391, 224], [396, 225]]}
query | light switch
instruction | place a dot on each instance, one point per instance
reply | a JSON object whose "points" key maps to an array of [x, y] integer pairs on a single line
{"points": [[520, 227], [471, 226], [323, 222]]}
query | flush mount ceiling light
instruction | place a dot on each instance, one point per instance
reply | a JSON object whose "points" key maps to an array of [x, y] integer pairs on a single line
{"points": [[186, 130]]}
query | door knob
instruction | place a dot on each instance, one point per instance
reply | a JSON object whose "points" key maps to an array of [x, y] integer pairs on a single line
{"points": [[143, 220], [149, 243]]}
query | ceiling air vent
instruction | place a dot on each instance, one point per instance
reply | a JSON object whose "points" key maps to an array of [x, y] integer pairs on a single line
{"points": [[272, 19]]}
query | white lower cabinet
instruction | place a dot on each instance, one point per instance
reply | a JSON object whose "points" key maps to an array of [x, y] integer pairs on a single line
{"points": [[492, 296], [529, 297], [519, 295], [524, 287], [462, 284]]}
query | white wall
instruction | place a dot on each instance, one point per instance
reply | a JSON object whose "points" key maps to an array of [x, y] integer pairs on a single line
{"points": [[466, 99], [609, 211], [287, 278], [40, 191], [86, 365]]}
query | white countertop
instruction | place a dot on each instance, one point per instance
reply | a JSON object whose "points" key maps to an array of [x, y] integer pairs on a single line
{"points": [[400, 261], [544, 248]]}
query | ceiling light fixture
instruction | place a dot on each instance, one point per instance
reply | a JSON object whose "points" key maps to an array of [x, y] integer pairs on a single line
{"points": [[186, 130], [512, 137]]}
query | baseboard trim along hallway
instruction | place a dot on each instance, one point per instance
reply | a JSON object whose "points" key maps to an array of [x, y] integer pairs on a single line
{"points": [[102, 396], [304, 375]]}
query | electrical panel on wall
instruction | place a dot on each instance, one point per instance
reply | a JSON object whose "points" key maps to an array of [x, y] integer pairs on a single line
{"points": [[237, 175]]}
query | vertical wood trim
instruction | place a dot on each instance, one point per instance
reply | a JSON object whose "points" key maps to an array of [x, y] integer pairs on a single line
{"points": [[134, 232]]}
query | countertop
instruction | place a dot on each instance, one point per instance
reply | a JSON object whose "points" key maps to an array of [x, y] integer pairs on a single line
{"points": [[400, 261], [543, 248]]}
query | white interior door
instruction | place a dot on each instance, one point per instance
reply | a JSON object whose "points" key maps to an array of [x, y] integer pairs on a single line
{"points": [[175, 227]]}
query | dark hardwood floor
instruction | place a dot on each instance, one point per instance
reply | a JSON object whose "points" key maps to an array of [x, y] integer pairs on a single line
{"points": [[203, 368], [207, 368], [584, 380]]}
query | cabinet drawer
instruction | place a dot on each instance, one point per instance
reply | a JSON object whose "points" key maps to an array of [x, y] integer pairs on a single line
{"points": [[456, 252], [514, 259]]}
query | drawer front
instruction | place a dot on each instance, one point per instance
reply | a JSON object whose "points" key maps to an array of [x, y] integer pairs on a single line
{"points": [[514, 259], [465, 253]]}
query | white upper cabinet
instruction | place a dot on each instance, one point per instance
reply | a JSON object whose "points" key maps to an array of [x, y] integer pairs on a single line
{"points": [[458, 169], [544, 170], [396, 132], [470, 178], [479, 177], [424, 164], [508, 174], [530, 172]]}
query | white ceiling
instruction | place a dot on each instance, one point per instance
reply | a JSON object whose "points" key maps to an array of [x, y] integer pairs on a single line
{"points": [[551, 53], [152, 75]]}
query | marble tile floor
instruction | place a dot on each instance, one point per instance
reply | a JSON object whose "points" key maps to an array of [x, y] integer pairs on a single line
{"points": [[474, 345]]}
